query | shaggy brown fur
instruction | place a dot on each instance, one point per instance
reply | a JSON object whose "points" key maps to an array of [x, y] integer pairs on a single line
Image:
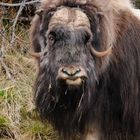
{"points": [[107, 105]]}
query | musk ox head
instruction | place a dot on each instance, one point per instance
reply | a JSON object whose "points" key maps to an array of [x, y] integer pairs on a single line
{"points": [[72, 42]]}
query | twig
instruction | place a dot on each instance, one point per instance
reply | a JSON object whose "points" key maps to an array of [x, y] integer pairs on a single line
{"points": [[2, 53], [7, 88], [6, 69], [20, 19], [18, 4], [21, 40], [3, 44], [15, 21], [4, 36]]}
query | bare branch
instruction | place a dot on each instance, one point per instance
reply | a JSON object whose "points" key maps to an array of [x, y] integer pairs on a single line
{"points": [[2, 53], [3, 45], [6, 69], [15, 21], [18, 4], [4, 36]]}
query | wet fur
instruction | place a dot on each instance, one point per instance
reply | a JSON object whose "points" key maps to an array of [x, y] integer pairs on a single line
{"points": [[110, 99]]}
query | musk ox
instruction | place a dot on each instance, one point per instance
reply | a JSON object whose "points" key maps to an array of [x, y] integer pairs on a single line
{"points": [[88, 55]]}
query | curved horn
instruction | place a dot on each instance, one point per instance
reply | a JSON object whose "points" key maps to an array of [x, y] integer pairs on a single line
{"points": [[101, 54], [37, 55]]}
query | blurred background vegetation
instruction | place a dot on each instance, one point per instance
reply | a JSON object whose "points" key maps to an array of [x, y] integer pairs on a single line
{"points": [[18, 117], [137, 2]]}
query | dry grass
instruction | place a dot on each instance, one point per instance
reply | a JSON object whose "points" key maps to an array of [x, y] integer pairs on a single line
{"points": [[18, 118]]}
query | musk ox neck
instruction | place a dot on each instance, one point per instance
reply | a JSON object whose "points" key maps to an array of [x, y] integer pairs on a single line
{"points": [[119, 86]]}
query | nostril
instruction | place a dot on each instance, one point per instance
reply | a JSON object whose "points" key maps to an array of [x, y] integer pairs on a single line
{"points": [[71, 72], [64, 71], [78, 70], [67, 72]]}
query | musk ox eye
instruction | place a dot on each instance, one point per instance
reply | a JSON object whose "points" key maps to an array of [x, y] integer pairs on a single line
{"points": [[87, 38], [51, 38]]}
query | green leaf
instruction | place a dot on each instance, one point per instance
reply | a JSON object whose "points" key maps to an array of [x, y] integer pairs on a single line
{"points": [[3, 120], [1, 93]]}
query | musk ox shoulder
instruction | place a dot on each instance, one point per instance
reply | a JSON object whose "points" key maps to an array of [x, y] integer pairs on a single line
{"points": [[88, 80]]}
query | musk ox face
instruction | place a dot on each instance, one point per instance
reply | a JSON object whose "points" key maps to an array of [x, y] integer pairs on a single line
{"points": [[68, 52], [67, 47], [67, 66], [69, 44]]}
